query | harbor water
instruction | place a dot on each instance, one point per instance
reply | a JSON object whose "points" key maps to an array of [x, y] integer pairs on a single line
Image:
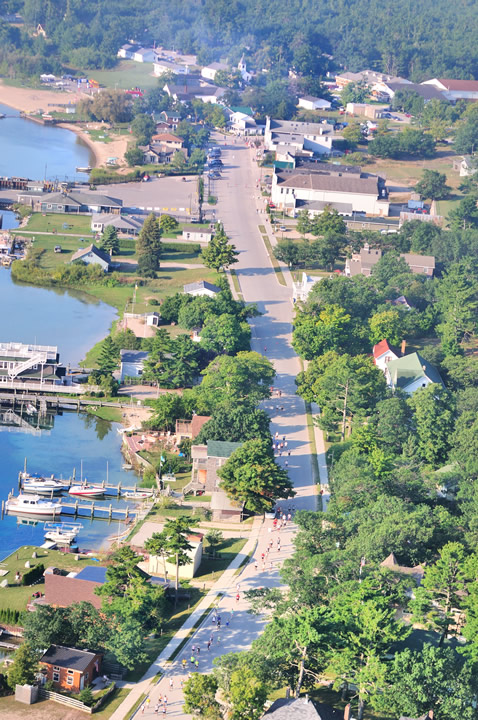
{"points": [[40, 152], [66, 442]]}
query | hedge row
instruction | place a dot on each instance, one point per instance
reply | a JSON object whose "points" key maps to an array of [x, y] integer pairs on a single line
{"points": [[33, 575], [9, 616]]}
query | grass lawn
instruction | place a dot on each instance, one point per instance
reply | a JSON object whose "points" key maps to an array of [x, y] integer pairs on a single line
{"points": [[16, 597], [210, 568], [105, 413], [49, 221], [126, 75], [159, 514], [100, 135], [112, 704]]}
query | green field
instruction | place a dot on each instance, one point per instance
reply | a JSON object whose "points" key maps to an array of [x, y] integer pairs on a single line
{"points": [[126, 75], [16, 596], [48, 222], [225, 554]]}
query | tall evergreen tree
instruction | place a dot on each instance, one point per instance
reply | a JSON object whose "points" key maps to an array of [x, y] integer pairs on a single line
{"points": [[220, 253], [148, 247], [110, 241], [108, 359]]}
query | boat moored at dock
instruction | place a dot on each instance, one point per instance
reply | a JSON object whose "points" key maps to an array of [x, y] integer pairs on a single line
{"points": [[42, 485], [62, 533], [32, 505], [85, 490]]}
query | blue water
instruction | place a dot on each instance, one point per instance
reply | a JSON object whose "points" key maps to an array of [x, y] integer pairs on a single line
{"points": [[39, 152], [9, 220], [68, 319], [73, 438]]}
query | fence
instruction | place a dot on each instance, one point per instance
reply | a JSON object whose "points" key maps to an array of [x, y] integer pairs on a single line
{"points": [[72, 702]]}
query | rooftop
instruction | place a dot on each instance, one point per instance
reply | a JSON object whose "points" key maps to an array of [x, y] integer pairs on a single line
{"points": [[332, 183], [301, 709], [133, 356], [66, 657], [408, 369], [221, 449], [201, 285], [466, 85], [91, 248], [93, 573]]}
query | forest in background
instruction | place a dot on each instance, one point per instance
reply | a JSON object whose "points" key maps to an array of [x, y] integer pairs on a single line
{"points": [[417, 40]]}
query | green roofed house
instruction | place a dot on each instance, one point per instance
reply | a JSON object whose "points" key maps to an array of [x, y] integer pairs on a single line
{"points": [[410, 373], [207, 459]]}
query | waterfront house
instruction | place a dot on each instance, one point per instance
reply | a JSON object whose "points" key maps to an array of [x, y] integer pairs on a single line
{"points": [[201, 287], [206, 461], [197, 234], [132, 363], [124, 224], [92, 255], [69, 668], [190, 428], [30, 363]]}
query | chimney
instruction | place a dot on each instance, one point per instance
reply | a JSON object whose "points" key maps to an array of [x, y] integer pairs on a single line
{"points": [[306, 699], [403, 346], [347, 712]]}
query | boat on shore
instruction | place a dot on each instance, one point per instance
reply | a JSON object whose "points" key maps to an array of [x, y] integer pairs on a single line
{"points": [[62, 533], [32, 505], [86, 169], [42, 485], [85, 490]]}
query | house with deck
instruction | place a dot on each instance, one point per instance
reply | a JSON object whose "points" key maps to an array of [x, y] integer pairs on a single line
{"points": [[21, 362], [206, 461]]}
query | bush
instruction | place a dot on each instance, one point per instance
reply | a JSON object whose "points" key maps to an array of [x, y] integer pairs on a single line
{"points": [[86, 697], [172, 247], [33, 575], [9, 616], [212, 199]]}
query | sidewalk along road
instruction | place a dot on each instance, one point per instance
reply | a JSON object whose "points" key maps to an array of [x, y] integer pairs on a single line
{"points": [[238, 208]]}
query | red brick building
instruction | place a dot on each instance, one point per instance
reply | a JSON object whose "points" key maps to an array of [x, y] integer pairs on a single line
{"points": [[70, 669]]}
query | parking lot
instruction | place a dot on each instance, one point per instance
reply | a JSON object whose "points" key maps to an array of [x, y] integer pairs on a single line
{"points": [[171, 195]]}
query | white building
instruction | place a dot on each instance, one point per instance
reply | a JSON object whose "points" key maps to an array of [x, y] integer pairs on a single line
{"points": [[315, 137], [32, 363], [309, 102], [455, 90], [466, 165], [243, 124], [201, 288], [157, 566], [124, 224], [137, 53], [195, 234], [383, 353], [411, 373], [92, 255], [162, 66], [242, 67], [132, 363], [302, 288], [210, 71], [365, 194]]}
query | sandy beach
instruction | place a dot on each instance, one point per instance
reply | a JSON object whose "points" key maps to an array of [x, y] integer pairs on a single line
{"points": [[33, 99]]}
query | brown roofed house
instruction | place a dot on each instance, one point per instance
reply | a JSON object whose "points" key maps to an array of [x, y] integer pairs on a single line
{"points": [[416, 572], [362, 263]]}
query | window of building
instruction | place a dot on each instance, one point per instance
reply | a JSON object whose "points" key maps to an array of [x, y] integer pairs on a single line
{"points": [[55, 667], [49, 206], [86, 675], [69, 680], [70, 672], [56, 677]]}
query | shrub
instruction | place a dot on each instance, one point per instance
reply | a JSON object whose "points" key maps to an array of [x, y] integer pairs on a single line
{"points": [[86, 697], [33, 575]]}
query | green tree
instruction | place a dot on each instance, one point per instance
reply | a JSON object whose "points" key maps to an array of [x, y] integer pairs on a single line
{"points": [[219, 253], [387, 325], [178, 161], [343, 386], [183, 367], [303, 222], [166, 410], [24, 667], [466, 136], [200, 697], [235, 422], [157, 545], [465, 215], [432, 185], [108, 358], [244, 378], [156, 365], [134, 156], [288, 251], [148, 247], [225, 334], [329, 221], [246, 695], [458, 303], [177, 532], [433, 408], [385, 146], [168, 223], [431, 679], [110, 240], [354, 93], [252, 476], [143, 127], [316, 334], [214, 539], [353, 134]]}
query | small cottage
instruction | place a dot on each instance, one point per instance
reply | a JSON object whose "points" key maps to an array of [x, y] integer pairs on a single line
{"points": [[69, 668], [92, 255]]}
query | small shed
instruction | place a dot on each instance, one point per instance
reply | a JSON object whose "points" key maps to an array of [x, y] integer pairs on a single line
{"points": [[193, 233], [132, 363], [201, 287]]}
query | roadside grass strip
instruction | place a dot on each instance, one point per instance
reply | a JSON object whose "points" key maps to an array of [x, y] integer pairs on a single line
{"points": [[275, 264]]}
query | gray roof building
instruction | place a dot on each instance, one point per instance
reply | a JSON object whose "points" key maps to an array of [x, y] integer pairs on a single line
{"points": [[67, 657], [303, 709], [92, 255]]}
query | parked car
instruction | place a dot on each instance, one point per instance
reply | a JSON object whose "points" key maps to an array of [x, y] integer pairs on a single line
{"points": [[283, 228]]}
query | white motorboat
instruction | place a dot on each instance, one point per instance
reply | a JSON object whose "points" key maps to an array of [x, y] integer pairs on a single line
{"points": [[62, 533], [42, 485], [85, 490], [32, 505], [138, 495]]}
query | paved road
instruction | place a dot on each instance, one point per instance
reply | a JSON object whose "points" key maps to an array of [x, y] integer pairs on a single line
{"points": [[238, 208]]}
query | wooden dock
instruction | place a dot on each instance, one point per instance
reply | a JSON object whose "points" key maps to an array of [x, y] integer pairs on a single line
{"points": [[92, 510]]}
